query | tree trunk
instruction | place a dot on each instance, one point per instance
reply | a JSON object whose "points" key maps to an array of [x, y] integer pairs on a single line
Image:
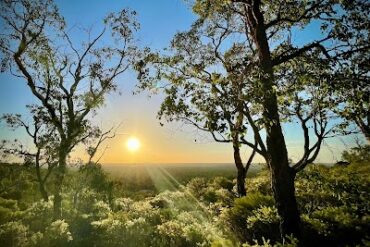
{"points": [[43, 192], [282, 176], [240, 181], [59, 177], [282, 183]]}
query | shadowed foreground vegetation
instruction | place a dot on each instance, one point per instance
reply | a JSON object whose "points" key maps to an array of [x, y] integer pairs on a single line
{"points": [[101, 208]]}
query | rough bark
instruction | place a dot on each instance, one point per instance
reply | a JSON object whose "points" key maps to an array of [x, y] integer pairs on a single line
{"points": [[59, 177], [282, 176], [237, 129], [241, 172], [282, 183], [40, 180]]}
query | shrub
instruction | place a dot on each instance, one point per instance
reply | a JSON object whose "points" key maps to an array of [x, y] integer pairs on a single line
{"points": [[57, 234], [252, 216], [359, 154], [14, 233]]}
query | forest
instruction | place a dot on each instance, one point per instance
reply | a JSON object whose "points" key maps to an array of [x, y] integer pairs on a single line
{"points": [[249, 74]]}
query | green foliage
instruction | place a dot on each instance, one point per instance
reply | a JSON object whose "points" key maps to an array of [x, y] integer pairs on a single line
{"points": [[253, 217], [14, 180], [7, 207], [290, 242], [334, 202], [358, 154], [205, 8], [259, 183], [14, 234], [57, 234]]}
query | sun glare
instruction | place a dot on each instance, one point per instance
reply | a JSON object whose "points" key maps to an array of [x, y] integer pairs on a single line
{"points": [[133, 144]]}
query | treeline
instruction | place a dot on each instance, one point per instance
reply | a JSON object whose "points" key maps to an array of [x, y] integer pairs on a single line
{"points": [[333, 201]]}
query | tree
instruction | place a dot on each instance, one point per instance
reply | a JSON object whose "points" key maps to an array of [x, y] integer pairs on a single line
{"points": [[202, 96], [69, 81], [353, 97], [258, 34], [44, 154], [352, 82], [352, 88]]}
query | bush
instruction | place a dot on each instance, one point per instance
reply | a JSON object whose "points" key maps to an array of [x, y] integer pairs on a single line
{"points": [[57, 234], [252, 217], [360, 154], [14, 233], [334, 202]]}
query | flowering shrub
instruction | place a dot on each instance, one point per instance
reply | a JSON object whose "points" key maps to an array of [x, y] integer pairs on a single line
{"points": [[57, 233], [290, 242], [334, 205], [14, 233], [38, 216]]}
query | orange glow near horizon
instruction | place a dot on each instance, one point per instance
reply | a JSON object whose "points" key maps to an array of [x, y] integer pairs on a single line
{"points": [[172, 143]]}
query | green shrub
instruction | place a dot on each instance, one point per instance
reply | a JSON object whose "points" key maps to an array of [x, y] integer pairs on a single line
{"points": [[359, 154], [14, 233], [252, 217]]}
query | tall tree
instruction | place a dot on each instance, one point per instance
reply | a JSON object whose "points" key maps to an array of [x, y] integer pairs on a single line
{"points": [[69, 81], [259, 35], [202, 96], [266, 23]]}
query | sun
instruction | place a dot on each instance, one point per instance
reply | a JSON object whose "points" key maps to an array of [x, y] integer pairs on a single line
{"points": [[133, 144]]}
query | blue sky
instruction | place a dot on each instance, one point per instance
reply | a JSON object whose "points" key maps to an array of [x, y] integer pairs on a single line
{"points": [[159, 21]]}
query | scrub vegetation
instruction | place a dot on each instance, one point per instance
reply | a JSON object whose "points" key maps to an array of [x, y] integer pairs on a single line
{"points": [[236, 74], [102, 209]]}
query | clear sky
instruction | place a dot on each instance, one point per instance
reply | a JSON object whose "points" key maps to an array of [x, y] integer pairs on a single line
{"points": [[173, 143]]}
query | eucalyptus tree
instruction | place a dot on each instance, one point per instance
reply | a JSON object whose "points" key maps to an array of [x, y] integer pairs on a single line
{"points": [[353, 94], [211, 105], [69, 80], [203, 89], [352, 85], [258, 34], [41, 155], [306, 98], [269, 26]]}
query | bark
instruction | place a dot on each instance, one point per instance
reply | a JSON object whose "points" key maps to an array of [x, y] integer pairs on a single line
{"points": [[59, 177], [42, 190], [282, 176], [282, 183], [241, 172]]}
